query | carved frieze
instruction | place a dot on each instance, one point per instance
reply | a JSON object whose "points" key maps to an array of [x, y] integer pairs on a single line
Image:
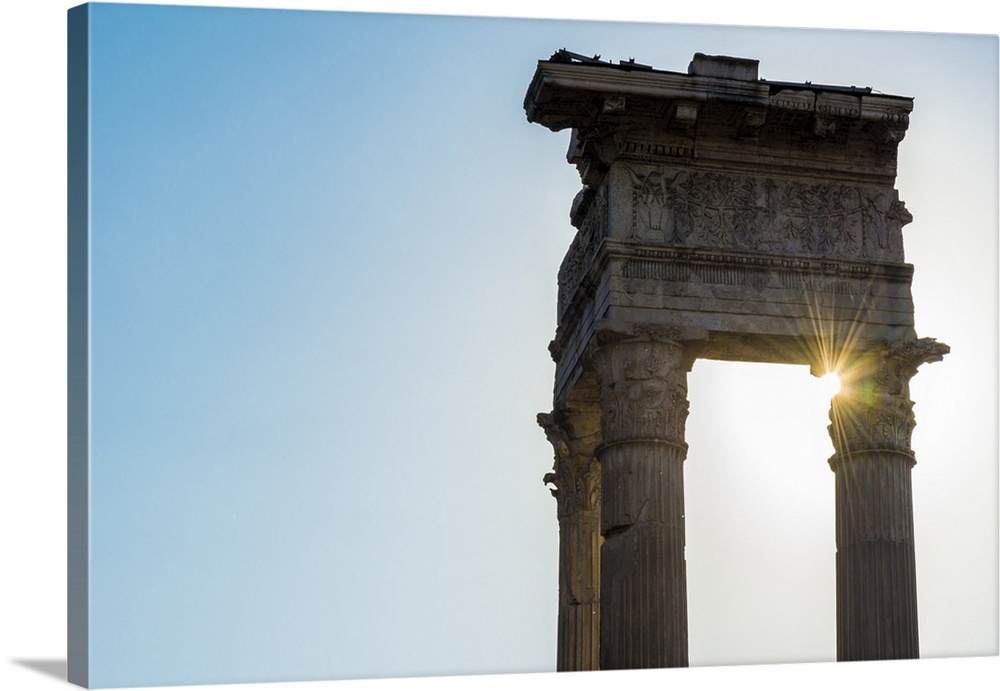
{"points": [[766, 214], [578, 260]]}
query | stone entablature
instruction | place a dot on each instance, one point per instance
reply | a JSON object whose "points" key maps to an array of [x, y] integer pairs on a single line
{"points": [[725, 202]]}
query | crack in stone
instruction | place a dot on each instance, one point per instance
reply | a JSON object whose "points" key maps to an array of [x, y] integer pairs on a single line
{"points": [[620, 529]]}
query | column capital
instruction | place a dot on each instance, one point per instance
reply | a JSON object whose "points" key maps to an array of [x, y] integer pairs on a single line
{"points": [[575, 476], [576, 485], [888, 360], [873, 411], [642, 379]]}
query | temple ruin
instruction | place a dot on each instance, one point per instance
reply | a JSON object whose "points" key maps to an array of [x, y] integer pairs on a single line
{"points": [[728, 217]]}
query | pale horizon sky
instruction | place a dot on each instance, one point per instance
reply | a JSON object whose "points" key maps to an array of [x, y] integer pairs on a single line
{"points": [[324, 262]]}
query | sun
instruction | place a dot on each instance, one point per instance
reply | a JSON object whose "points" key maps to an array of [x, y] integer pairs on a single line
{"points": [[830, 383]]}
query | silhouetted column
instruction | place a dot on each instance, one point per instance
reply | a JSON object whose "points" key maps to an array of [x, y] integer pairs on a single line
{"points": [[872, 419], [576, 478], [643, 390]]}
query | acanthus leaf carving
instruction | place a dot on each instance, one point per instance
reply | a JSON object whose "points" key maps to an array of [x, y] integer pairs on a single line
{"points": [[576, 474], [873, 411], [643, 390]]}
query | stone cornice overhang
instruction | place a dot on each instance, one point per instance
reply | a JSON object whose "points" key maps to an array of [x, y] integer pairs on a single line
{"points": [[557, 84], [793, 128], [560, 84]]}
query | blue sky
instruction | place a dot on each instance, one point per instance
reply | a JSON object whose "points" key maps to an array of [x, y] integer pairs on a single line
{"points": [[323, 270]]}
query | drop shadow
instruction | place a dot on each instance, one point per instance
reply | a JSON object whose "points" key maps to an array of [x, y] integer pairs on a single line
{"points": [[55, 668]]}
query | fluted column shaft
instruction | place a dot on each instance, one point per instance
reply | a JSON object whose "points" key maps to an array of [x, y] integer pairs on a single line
{"points": [[872, 420], [643, 394], [576, 480], [579, 592], [876, 565]]}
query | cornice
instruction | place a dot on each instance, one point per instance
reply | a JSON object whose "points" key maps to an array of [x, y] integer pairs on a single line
{"points": [[600, 99]]}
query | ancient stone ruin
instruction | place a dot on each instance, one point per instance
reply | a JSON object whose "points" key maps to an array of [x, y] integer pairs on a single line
{"points": [[728, 217]]}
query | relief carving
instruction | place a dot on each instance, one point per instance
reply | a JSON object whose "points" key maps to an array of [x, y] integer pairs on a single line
{"points": [[763, 214], [582, 252], [643, 390], [650, 200]]}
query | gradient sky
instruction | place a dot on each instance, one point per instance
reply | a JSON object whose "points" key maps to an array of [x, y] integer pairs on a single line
{"points": [[324, 251]]}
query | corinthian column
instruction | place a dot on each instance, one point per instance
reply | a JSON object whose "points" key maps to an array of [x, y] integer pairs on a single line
{"points": [[576, 478], [642, 379], [872, 419]]}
